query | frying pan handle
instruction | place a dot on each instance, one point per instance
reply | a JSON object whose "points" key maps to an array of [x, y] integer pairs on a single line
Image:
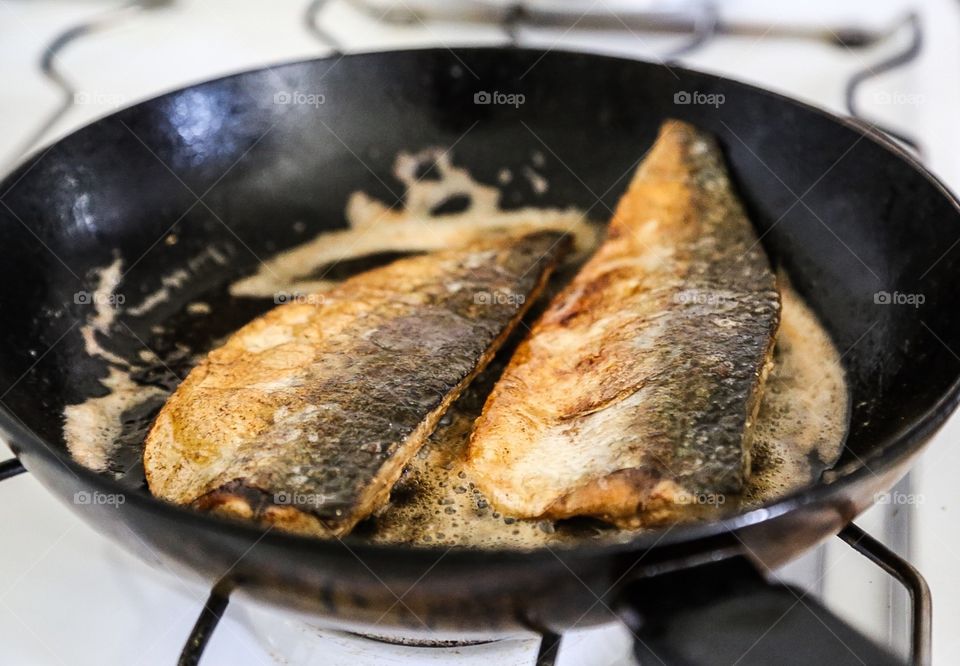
{"points": [[9, 468], [726, 612]]}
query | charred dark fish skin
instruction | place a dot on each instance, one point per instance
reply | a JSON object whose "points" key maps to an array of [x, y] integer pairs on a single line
{"points": [[634, 395], [305, 418]]}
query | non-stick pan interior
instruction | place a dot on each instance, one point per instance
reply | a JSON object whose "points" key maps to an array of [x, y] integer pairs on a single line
{"points": [[252, 164]]}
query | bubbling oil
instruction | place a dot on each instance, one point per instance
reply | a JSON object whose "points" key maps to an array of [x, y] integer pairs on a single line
{"points": [[799, 432]]}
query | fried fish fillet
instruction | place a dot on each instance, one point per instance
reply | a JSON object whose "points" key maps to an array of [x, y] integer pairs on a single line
{"points": [[305, 417], [635, 392]]}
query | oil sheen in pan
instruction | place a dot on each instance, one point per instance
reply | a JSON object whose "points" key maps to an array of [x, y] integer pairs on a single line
{"points": [[799, 432]]}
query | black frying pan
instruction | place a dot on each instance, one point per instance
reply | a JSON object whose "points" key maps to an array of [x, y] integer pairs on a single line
{"points": [[846, 214]]}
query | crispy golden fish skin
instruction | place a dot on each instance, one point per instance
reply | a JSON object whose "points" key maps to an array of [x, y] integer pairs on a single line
{"points": [[634, 393], [305, 418]]}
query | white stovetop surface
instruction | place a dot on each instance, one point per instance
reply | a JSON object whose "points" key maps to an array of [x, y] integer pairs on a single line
{"points": [[70, 596]]}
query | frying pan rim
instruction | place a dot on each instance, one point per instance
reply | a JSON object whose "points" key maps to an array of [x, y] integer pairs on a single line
{"points": [[889, 451]]}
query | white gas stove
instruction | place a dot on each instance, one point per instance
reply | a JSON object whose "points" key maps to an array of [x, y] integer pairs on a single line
{"points": [[70, 596]]}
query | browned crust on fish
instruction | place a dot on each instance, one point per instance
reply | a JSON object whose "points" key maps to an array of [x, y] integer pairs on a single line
{"points": [[634, 395], [305, 418]]}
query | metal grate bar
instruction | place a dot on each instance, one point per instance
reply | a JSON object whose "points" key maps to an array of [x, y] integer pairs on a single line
{"points": [[912, 580]]}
